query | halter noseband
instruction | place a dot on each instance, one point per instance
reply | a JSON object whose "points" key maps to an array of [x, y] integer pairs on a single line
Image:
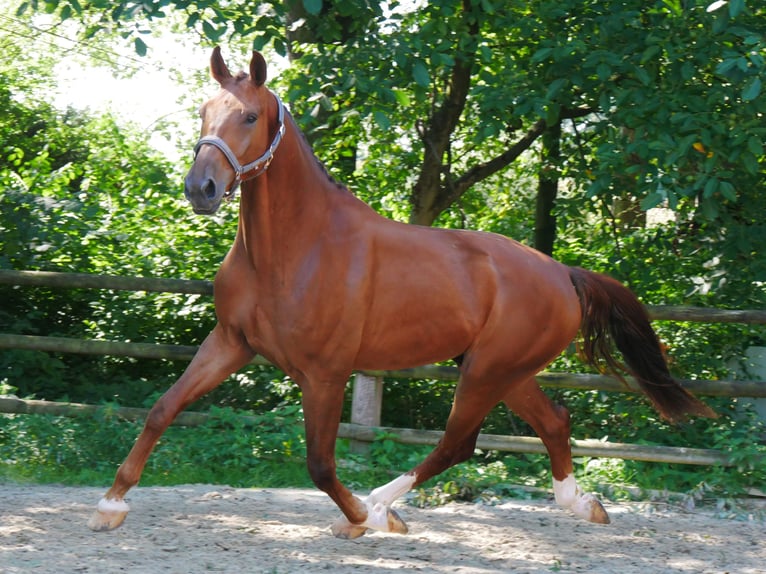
{"points": [[259, 165]]}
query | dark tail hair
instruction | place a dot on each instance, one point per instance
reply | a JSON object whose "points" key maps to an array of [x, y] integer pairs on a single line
{"points": [[612, 314]]}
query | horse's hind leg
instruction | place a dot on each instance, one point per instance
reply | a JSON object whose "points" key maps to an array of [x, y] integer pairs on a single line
{"points": [[551, 423], [217, 358]]}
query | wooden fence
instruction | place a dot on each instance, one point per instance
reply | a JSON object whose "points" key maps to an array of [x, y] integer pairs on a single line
{"points": [[366, 403]]}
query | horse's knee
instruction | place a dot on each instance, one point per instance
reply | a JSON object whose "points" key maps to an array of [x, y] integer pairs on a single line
{"points": [[322, 473], [159, 418]]}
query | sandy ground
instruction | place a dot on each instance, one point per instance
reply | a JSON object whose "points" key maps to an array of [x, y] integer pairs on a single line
{"points": [[198, 528]]}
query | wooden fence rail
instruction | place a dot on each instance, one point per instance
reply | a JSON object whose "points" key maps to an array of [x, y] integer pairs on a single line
{"points": [[199, 287], [756, 389], [520, 444], [367, 432]]}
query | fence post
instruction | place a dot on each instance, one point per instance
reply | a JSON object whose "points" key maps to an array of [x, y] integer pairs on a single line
{"points": [[366, 403], [754, 365]]}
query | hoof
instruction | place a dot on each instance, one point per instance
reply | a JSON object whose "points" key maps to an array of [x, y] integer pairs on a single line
{"points": [[590, 508], [109, 515], [392, 522], [101, 521], [342, 528], [396, 524], [598, 514]]}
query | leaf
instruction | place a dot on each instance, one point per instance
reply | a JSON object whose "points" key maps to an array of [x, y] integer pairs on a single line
{"points": [[750, 162], [650, 53], [751, 90], [91, 31], [555, 87], [541, 55], [487, 7], [420, 74], [603, 71], [552, 114], [402, 97], [259, 42], [710, 187], [280, 47], [140, 46], [486, 53], [643, 76], [736, 7], [709, 208], [726, 66], [728, 191], [209, 30], [313, 7], [651, 200], [381, 119], [755, 146]]}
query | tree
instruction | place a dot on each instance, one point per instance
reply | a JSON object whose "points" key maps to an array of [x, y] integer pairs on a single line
{"points": [[664, 92], [85, 193]]}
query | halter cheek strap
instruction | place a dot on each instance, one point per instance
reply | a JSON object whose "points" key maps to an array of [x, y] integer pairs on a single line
{"points": [[254, 168]]}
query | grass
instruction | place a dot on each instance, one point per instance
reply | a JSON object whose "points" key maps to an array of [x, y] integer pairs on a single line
{"points": [[271, 454]]}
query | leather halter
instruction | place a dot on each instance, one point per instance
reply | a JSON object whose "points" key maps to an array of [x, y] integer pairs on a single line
{"points": [[254, 168]]}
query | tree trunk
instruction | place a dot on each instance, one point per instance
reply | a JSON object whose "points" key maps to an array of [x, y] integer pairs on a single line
{"points": [[548, 184]]}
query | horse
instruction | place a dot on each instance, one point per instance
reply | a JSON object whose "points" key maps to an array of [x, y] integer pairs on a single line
{"points": [[321, 285]]}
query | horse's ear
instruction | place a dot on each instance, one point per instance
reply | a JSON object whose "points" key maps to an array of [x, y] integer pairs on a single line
{"points": [[258, 69], [218, 68]]}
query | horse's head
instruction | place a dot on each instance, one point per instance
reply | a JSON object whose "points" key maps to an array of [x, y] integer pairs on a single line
{"points": [[238, 140]]}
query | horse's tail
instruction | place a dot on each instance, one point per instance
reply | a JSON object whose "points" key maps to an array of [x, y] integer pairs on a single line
{"points": [[611, 313]]}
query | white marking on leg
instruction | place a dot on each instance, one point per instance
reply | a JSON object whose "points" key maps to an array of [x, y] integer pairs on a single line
{"points": [[377, 517], [388, 493], [566, 491], [380, 499], [587, 506], [112, 505], [379, 514]]}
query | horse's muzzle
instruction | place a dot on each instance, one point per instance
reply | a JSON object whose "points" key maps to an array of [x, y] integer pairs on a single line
{"points": [[204, 194]]}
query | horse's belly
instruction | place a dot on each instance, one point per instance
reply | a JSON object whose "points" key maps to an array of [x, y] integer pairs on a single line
{"points": [[404, 344]]}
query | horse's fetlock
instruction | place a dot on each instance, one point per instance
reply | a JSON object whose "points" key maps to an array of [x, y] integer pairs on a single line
{"points": [[566, 491]]}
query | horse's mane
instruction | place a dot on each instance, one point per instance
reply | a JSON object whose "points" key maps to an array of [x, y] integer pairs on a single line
{"points": [[319, 163], [241, 76]]}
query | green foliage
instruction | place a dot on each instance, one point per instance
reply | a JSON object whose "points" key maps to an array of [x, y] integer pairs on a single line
{"points": [[268, 451], [673, 86], [87, 194]]}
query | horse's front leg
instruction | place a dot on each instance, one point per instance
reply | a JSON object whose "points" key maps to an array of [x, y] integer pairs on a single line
{"points": [[322, 407], [220, 355]]}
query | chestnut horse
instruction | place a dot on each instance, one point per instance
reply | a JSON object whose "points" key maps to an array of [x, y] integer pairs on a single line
{"points": [[321, 285]]}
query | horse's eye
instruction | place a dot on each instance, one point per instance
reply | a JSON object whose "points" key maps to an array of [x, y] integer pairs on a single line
{"points": [[251, 118]]}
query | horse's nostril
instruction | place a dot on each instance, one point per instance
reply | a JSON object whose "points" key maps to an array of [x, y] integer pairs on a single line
{"points": [[209, 189]]}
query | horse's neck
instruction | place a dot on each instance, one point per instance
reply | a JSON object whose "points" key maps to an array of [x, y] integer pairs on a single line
{"points": [[286, 208]]}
